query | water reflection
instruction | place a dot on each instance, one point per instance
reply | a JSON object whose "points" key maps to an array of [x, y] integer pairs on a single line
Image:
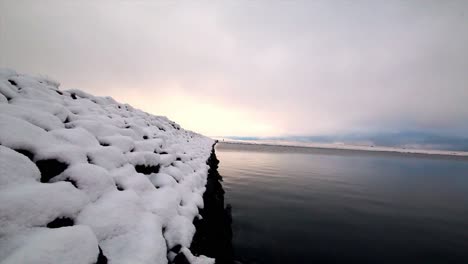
{"points": [[296, 205]]}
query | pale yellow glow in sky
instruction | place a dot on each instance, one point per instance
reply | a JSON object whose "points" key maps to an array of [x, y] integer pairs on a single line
{"points": [[251, 68], [202, 116]]}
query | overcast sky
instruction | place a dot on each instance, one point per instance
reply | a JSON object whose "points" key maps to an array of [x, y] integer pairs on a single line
{"points": [[257, 68]]}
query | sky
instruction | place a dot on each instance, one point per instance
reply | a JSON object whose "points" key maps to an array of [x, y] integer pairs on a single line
{"points": [[256, 68]]}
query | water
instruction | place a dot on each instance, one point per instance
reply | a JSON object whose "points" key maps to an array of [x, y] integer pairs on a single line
{"points": [[304, 205]]}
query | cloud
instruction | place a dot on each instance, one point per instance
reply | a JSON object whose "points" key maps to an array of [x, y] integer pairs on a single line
{"points": [[293, 67]]}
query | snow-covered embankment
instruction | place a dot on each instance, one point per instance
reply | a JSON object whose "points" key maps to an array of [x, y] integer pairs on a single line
{"points": [[85, 179]]}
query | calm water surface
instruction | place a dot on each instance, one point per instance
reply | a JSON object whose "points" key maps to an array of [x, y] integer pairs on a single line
{"points": [[303, 205]]}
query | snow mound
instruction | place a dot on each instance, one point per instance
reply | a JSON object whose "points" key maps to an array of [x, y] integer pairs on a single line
{"points": [[80, 174]]}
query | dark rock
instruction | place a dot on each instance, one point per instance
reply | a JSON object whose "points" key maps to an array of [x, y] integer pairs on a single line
{"points": [[59, 92], [176, 248], [147, 169], [73, 96], [50, 168], [163, 153], [145, 137], [181, 259], [27, 153], [119, 187], [61, 222], [213, 237], [12, 82], [73, 182], [104, 144], [102, 259]]}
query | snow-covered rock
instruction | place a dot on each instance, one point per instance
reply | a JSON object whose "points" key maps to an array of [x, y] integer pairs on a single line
{"points": [[80, 173]]}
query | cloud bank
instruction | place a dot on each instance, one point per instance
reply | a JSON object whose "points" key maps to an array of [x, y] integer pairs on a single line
{"points": [[257, 68]]}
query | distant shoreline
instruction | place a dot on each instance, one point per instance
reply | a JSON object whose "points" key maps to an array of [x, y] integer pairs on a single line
{"points": [[376, 149]]}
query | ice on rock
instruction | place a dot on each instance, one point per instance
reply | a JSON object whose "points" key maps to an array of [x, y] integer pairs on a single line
{"points": [[80, 172]]}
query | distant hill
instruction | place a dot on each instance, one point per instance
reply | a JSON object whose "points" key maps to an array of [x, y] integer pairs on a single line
{"points": [[403, 139]]}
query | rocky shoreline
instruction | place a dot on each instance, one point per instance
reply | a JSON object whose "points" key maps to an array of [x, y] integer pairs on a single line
{"points": [[97, 179], [213, 237]]}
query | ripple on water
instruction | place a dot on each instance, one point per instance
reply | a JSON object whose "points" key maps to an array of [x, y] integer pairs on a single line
{"points": [[311, 206]]}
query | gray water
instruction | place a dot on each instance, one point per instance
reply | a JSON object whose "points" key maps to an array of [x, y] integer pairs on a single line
{"points": [[305, 205]]}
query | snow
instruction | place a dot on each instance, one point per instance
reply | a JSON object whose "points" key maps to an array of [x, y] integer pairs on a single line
{"points": [[75, 244], [182, 234], [16, 168], [91, 179], [196, 260], [36, 117], [30, 205], [104, 173], [76, 136], [342, 146]]}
